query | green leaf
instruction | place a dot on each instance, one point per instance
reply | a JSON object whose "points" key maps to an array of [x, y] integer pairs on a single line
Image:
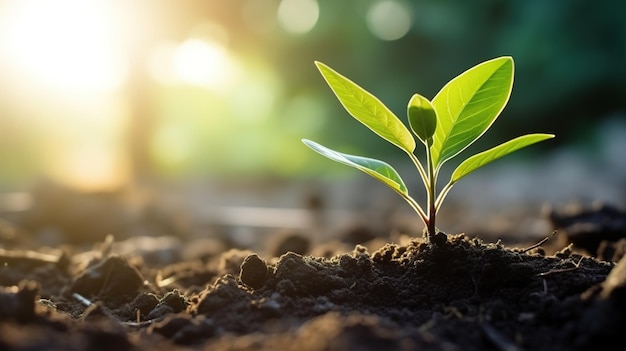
{"points": [[475, 162], [422, 118], [468, 105], [367, 109], [377, 169]]}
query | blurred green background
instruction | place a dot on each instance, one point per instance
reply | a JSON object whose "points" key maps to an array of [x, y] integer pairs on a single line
{"points": [[100, 94]]}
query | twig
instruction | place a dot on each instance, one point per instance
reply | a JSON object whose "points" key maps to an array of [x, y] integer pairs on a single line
{"points": [[107, 246], [541, 242], [82, 299], [33, 256], [167, 281], [562, 269], [145, 323]]}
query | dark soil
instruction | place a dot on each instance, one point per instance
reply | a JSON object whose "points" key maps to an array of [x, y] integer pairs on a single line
{"points": [[450, 293]]}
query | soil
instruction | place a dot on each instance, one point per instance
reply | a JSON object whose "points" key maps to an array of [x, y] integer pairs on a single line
{"points": [[452, 292]]}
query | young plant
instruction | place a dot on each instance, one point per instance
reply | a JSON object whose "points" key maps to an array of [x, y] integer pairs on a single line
{"points": [[456, 117]]}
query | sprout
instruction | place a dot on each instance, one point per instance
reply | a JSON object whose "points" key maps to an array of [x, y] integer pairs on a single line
{"points": [[455, 118]]}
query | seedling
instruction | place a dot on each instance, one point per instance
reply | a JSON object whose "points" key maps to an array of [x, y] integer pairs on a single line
{"points": [[455, 118]]}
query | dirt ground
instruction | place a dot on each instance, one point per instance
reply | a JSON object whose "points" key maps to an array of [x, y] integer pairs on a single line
{"points": [[454, 292]]}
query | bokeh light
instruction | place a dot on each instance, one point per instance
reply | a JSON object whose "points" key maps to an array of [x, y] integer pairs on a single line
{"points": [[298, 16], [202, 59], [389, 19], [98, 94], [202, 63]]}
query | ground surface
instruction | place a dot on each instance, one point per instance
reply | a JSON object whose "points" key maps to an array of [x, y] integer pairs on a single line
{"points": [[452, 292]]}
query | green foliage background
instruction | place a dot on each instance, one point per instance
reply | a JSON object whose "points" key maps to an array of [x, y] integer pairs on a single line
{"points": [[569, 60]]}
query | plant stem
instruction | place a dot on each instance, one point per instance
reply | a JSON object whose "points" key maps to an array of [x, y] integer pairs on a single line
{"points": [[420, 169], [442, 195], [431, 189]]}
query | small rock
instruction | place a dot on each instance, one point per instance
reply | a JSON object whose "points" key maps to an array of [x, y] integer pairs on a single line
{"points": [[253, 271], [111, 277], [176, 300], [145, 302]]}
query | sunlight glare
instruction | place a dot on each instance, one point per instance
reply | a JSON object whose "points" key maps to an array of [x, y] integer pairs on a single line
{"points": [[66, 44]]}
